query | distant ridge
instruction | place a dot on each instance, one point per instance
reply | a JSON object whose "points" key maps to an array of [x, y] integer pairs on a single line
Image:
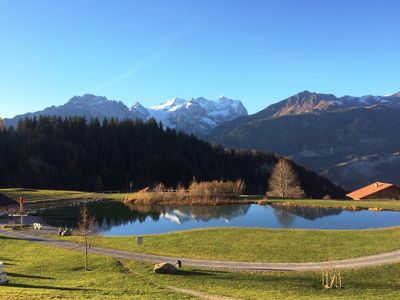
{"points": [[194, 115], [351, 140]]}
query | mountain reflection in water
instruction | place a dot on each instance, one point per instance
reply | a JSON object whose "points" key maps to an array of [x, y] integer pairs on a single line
{"points": [[110, 214], [116, 218]]}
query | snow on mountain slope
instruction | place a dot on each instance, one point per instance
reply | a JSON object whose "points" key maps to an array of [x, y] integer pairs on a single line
{"points": [[306, 102], [198, 116], [138, 111]]}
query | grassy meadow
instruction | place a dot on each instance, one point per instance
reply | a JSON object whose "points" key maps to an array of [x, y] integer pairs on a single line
{"points": [[261, 245], [35, 196], [43, 272], [350, 204]]}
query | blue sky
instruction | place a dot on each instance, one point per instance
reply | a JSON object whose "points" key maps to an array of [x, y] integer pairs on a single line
{"points": [[149, 51]]}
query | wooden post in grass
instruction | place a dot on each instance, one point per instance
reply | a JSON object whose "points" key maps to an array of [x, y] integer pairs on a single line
{"points": [[87, 228], [21, 211]]}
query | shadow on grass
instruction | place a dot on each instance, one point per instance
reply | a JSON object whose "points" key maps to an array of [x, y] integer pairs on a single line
{"points": [[25, 190], [193, 273], [272, 278], [27, 276], [6, 260], [373, 285], [2, 237], [29, 286], [22, 238]]}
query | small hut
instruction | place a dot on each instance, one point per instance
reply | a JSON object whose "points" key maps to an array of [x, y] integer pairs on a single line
{"points": [[377, 190]]}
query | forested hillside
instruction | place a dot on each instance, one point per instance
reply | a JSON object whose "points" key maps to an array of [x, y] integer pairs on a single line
{"points": [[73, 153], [352, 147]]}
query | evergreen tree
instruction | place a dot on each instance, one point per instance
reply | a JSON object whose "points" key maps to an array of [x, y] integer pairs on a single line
{"points": [[79, 154]]}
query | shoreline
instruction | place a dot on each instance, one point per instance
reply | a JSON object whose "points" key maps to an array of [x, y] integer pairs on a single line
{"points": [[356, 207], [187, 202], [38, 199]]}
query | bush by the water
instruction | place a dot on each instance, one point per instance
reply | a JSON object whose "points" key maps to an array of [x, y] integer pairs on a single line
{"points": [[198, 193], [216, 189]]}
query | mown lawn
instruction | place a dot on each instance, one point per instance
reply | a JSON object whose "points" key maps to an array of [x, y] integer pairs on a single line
{"points": [[383, 204], [261, 245], [43, 272], [372, 283], [33, 195]]}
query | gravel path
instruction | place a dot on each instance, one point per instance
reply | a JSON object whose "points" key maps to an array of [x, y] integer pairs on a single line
{"points": [[353, 263]]}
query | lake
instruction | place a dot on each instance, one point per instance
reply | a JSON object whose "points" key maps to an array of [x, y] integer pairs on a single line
{"points": [[116, 218]]}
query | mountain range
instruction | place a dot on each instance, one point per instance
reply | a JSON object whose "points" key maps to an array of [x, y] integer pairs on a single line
{"points": [[194, 115], [351, 140]]}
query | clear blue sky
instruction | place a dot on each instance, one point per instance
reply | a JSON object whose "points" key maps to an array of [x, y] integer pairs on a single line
{"points": [[257, 51]]}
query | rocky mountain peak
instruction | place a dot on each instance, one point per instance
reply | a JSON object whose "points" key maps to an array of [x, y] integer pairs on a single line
{"points": [[88, 99], [137, 105], [197, 116]]}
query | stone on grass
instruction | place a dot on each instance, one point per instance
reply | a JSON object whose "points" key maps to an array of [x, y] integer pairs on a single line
{"points": [[165, 268]]}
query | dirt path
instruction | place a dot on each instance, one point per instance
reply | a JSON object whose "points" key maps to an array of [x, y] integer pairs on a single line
{"points": [[353, 263]]}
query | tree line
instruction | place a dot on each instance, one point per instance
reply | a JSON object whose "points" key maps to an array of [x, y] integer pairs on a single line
{"points": [[74, 153]]}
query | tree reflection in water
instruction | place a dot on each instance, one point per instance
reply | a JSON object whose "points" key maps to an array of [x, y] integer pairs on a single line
{"points": [[182, 214], [110, 214], [286, 215], [163, 218]]}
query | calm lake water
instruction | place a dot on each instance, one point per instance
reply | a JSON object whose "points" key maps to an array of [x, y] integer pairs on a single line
{"points": [[115, 218]]}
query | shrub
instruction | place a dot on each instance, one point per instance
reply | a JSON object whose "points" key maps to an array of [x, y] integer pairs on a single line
{"points": [[216, 189]]}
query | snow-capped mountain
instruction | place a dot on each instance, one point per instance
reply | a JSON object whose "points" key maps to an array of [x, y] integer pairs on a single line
{"points": [[138, 111], [195, 213], [306, 102], [198, 116]]}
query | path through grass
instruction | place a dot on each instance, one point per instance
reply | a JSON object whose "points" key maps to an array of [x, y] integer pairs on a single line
{"points": [[261, 245]]}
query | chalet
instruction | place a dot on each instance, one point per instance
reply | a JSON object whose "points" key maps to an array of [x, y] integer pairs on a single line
{"points": [[377, 190]]}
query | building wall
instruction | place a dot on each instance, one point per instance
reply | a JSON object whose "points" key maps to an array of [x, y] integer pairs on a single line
{"points": [[392, 192]]}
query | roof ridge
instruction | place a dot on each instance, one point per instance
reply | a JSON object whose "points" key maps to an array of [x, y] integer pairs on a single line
{"points": [[369, 189]]}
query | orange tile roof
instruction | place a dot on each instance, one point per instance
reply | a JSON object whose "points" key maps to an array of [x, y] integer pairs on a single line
{"points": [[369, 189]]}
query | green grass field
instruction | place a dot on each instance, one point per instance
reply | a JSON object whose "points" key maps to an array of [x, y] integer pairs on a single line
{"points": [[364, 204], [32, 195], [261, 245], [43, 272]]}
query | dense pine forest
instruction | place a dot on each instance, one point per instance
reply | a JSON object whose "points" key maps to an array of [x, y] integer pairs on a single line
{"points": [[74, 153]]}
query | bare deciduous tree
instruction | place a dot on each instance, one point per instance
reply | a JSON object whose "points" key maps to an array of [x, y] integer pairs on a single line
{"points": [[87, 228], [283, 182]]}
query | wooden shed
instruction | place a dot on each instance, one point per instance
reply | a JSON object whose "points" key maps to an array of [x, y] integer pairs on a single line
{"points": [[377, 190]]}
